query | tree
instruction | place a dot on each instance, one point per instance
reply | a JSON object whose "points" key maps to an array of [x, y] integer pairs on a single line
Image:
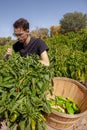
{"points": [[54, 30], [43, 32], [34, 33], [40, 33], [73, 22]]}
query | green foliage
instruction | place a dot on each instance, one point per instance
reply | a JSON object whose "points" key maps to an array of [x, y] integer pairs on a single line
{"points": [[24, 84], [68, 55], [3, 50]]}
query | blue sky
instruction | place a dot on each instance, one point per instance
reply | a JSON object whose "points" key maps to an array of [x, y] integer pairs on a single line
{"points": [[39, 13]]}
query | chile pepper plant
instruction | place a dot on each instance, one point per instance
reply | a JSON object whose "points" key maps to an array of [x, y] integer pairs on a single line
{"points": [[24, 84]]}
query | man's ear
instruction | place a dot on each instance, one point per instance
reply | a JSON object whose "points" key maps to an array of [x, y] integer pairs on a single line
{"points": [[27, 30]]}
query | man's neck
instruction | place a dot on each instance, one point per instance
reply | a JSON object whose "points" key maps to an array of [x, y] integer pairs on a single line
{"points": [[27, 40]]}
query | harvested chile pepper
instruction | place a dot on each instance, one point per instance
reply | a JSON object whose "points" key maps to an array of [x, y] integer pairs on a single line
{"points": [[64, 105]]}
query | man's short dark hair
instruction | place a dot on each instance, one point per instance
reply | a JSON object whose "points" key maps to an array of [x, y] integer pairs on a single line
{"points": [[21, 23]]}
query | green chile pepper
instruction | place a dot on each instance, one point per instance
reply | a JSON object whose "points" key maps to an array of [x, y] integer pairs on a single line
{"points": [[69, 108], [13, 116]]}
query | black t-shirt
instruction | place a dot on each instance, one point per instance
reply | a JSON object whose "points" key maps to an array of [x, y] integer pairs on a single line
{"points": [[35, 46]]}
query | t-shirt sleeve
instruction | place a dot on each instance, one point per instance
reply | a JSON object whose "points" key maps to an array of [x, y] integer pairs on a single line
{"points": [[42, 46]]}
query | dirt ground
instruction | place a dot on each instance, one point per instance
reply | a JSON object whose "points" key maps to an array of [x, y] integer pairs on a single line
{"points": [[80, 125]]}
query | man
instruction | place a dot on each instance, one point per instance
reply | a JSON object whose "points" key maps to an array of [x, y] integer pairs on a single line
{"points": [[27, 45]]}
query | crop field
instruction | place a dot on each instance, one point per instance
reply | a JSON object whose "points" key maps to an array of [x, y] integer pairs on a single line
{"points": [[25, 83]]}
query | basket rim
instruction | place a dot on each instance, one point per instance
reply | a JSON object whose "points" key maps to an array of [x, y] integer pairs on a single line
{"points": [[71, 80]]}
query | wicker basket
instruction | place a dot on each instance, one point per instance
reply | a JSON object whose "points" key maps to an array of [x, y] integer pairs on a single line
{"points": [[74, 90]]}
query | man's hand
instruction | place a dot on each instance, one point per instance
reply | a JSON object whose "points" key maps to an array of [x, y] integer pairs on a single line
{"points": [[8, 53]]}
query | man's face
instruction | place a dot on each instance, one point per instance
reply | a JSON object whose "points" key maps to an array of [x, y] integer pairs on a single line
{"points": [[21, 34]]}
